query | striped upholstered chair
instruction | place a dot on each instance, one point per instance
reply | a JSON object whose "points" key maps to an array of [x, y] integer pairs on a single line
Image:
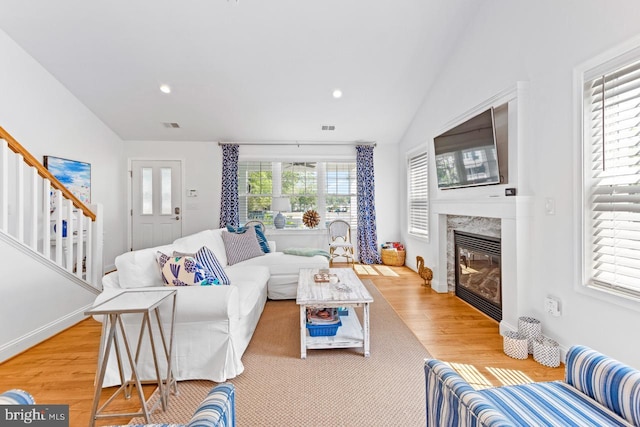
{"points": [[597, 391], [218, 409], [16, 397]]}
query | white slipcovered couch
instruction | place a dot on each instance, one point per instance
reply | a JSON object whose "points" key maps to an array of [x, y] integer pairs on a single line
{"points": [[214, 324]]}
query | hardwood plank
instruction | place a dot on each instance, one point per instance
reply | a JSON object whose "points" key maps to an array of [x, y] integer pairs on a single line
{"points": [[61, 370]]}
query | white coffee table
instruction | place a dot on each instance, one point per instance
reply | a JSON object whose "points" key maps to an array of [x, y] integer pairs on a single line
{"points": [[348, 292]]}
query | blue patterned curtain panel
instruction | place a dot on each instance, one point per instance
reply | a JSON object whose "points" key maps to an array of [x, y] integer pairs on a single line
{"points": [[367, 230], [229, 194]]}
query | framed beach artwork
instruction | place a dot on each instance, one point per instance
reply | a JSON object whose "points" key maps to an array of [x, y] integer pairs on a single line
{"points": [[74, 175]]}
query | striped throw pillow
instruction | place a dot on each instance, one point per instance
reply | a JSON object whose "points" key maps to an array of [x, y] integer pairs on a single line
{"points": [[207, 258], [241, 247], [262, 239]]}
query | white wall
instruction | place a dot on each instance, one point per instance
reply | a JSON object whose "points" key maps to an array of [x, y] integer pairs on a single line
{"points": [[202, 163], [47, 119], [38, 300], [539, 42]]}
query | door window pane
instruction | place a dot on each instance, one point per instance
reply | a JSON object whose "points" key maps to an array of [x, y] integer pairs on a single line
{"points": [[165, 205], [147, 191]]}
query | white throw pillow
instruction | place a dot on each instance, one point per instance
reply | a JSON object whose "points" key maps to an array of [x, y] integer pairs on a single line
{"points": [[209, 238], [139, 268]]}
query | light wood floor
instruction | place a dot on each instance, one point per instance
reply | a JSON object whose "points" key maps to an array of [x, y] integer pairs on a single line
{"points": [[61, 370]]}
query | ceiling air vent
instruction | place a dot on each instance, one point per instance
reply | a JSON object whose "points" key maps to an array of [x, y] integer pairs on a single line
{"points": [[172, 125], [328, 127]]}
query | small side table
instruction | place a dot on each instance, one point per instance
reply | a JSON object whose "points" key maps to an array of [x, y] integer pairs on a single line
{"points": [[137, 301]]}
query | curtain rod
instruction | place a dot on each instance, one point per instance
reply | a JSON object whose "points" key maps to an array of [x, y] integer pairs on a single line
{"points": [[300, 143]]}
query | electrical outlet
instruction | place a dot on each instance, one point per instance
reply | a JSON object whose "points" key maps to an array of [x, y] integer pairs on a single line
{"points": [[550, 206], [552, 306]]}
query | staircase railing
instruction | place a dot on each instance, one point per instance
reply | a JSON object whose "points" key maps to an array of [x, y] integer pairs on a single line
{"points": [[41, 213]]}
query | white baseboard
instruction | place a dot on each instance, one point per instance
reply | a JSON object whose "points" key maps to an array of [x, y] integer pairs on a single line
{"points": [[18, 345], [438, 287]]}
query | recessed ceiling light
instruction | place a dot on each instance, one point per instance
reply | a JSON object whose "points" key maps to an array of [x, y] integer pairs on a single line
{"points": [[165, 88], [337, 93]]}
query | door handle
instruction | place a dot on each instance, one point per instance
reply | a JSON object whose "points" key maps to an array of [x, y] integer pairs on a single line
{"points": [[176, 210], [177, 217]]}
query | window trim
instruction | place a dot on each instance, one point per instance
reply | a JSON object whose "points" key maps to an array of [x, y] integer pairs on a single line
{"points": [[601, 64], [421, 151]]}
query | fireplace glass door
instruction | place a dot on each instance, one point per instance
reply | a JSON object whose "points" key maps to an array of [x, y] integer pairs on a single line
{"points": [[478, 272]]}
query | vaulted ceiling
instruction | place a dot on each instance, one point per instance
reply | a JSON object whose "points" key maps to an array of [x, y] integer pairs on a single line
{"points": [[246, 70]]}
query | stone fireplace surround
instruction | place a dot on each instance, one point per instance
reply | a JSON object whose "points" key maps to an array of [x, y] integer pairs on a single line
{"points": [[499, 216]]}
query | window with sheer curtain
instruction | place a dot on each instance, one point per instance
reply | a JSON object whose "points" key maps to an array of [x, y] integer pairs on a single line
{"points": [[418, 195], [611, 181], [327, 187]]}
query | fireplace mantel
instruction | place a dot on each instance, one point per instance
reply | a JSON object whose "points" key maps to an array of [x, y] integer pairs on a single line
{"points": [[490, 206], [515, 213]]}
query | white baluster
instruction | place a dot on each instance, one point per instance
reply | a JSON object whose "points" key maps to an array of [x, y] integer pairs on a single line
{"points": [[33, 233], [97, 245], [20, 197], [58, 227], [4, 186], [89, 249], [69, 239], [80, 243], [46, 218]]}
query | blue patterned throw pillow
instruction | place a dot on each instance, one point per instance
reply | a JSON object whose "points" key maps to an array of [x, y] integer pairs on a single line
{"points": [[262, 239], [212, 267], [184, 271]]}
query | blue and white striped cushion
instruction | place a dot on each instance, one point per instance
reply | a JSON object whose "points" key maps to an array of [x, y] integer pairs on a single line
{"points": [[240, 247], [217, 409], [550, 404], [452, 402], [207, 258], [16, 397], [611, 383]]}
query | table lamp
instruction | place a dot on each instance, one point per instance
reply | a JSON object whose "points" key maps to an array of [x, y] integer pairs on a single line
{"points": [[280, 204]]}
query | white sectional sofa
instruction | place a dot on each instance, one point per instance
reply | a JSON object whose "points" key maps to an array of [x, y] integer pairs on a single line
{"points": [[214, 324]]}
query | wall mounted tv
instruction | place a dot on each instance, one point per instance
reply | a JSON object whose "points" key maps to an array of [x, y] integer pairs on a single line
{"points": [[467, 155]]}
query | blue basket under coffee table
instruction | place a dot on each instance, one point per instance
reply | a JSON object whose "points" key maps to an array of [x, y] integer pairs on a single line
{"points": [[323, 330]]}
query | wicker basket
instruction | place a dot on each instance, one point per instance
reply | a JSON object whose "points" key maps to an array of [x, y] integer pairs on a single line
{"points": [[393, 257], [531, 328], [515, 345], [546, 352]]}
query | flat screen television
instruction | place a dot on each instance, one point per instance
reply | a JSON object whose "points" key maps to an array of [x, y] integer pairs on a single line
{"points": [[467, 155]]}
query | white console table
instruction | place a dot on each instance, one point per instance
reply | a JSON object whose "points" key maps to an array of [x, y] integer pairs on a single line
{"points": [[141, 302]]}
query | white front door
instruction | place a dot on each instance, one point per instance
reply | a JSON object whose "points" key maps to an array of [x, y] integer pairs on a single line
{"points": [[156, 214]]}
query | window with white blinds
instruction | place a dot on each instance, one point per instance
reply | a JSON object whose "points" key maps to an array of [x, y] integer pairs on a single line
{"points": [[418, 195], [612, 178], [327, 187]]}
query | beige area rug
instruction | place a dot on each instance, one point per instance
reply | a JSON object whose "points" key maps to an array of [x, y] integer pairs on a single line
{"points": [[337, 387]]}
